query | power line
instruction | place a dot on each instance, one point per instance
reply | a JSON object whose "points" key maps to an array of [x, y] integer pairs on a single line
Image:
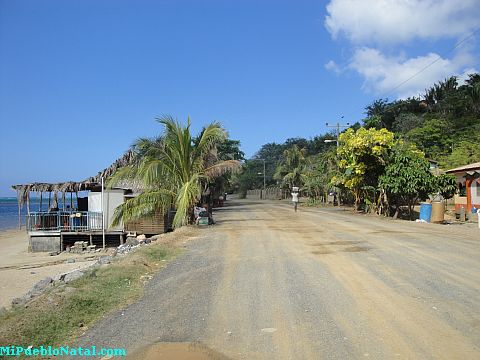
{"points": [[337, 127], [431, 63]]}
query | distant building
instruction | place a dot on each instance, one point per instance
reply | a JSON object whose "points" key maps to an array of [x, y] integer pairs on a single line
{"points": [[434, 168], [468, 181]]}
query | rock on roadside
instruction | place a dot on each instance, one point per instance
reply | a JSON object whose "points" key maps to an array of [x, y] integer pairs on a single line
{"points": [[36, 290], [103, 260], [40, 286], [72, 275]]}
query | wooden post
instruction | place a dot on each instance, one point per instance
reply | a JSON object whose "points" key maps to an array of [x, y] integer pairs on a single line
{"points": [[40, 206], [61, 241], [71, 201], [19, 211], [468, 186], [103, 215], [49, 199]]}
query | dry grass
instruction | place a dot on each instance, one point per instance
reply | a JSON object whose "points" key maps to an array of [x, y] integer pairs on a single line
{"points": [[64, 311]]}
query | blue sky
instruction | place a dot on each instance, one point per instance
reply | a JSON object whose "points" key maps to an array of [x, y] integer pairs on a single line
{"points": [[80, 80]]}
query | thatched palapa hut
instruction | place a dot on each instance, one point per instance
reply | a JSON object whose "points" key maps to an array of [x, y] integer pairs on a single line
{"points": [[80, 211]]}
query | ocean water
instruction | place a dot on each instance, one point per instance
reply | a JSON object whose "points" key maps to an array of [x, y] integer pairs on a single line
{"points": [[9, 211]]}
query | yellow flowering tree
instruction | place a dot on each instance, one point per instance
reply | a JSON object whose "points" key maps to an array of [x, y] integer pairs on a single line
{"points": [[362, 157]]}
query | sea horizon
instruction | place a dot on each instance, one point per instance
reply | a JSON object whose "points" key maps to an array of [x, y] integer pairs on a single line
{"points": [[9, 211]]}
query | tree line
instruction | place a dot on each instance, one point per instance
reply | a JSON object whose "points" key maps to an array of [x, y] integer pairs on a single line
{"points": [[383, 162]]}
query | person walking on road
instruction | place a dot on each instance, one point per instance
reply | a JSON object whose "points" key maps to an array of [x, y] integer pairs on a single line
{"points": [[295, 197]]}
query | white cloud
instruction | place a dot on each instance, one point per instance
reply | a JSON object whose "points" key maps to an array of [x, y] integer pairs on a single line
{"points": [[383, 73], [399, 21], [463, 77], [332, 66], [385, 23]]}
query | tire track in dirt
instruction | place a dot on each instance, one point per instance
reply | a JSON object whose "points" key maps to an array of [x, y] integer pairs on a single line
{"points": [[409, 329], [435, 263], [266, 283], [433, 282]]}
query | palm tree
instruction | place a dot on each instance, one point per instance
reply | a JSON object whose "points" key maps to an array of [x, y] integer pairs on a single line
{"points": [[172, 170], [291, 170], [319, 171]]}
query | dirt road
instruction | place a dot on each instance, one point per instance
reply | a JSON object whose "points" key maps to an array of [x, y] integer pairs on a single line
{"points": [[268, 283]]}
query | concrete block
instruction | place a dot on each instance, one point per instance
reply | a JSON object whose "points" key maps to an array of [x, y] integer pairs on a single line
{"points": [[45, 243]]}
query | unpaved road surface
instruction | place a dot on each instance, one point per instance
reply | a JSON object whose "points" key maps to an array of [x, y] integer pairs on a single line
{"points": [[268, 283]]}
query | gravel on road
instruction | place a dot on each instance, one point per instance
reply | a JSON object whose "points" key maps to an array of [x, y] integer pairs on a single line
{"points": [[268, 283]]}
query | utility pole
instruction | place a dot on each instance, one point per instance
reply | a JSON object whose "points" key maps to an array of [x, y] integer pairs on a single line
{"points": [[264, 178], [337, 127]]}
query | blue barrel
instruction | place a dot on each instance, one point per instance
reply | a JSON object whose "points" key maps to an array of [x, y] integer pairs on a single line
{"points": [[425, 211]]}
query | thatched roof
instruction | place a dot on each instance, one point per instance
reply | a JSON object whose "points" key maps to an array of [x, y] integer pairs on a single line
{"points": [[69, 186], [23, 190], [127, 159]]}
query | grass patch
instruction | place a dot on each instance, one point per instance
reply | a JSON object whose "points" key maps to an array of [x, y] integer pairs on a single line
{"points": [[62, 312], [157, 253]]}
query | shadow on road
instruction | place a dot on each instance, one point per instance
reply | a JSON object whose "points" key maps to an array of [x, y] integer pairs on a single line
{"points": [[176, 351], [218, 222]]}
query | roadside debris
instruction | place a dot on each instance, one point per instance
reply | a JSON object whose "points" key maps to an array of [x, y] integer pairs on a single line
{"points": [[268, 330], [134, 242], [201, 215], [126, 248]]}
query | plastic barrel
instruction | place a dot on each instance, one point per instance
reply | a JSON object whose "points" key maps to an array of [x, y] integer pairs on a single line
{"points": [[438, 212], [425, 211]]}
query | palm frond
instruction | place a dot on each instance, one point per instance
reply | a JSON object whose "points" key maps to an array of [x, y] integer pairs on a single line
{"points": [[122, 174], [222, 168], [211, 136], [153, 172], [143, 205], [187, 196], [148, 147]]}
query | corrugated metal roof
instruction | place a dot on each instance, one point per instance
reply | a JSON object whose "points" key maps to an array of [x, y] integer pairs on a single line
{"points": [[473, 166]]}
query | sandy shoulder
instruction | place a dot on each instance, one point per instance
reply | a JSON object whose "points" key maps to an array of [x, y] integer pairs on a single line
{"points": [[20, 270], [14, 250]]}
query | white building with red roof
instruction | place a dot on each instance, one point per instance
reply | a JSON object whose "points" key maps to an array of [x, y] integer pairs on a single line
{"points": [[468, 180]]}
